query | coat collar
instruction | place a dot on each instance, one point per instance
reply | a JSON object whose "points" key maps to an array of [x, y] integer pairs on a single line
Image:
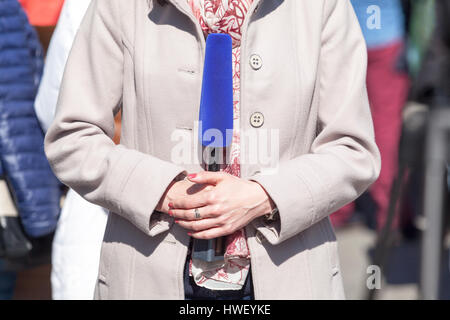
{"points": [[183, 6]]}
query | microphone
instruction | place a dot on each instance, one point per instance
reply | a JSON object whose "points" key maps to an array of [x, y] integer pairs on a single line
{"points": [[216, 122]]}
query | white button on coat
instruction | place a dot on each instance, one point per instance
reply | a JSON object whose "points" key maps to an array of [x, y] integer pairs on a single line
{"points": [[257, 120], [256, 62]]}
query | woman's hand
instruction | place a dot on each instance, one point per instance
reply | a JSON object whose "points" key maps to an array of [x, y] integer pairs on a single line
{"points": [[176, 190], [225, 206]]}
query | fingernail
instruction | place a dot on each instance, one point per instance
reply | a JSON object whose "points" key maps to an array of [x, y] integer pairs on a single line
{"points": [[170, 205], [192, 176], [176, 221], [170, 213], [189, 234]]}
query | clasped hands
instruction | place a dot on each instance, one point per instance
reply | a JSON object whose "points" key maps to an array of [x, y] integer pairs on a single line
{"points": [[224, 202]]}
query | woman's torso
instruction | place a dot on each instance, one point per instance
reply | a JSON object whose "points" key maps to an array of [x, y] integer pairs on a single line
{"points": [[160, 106]]}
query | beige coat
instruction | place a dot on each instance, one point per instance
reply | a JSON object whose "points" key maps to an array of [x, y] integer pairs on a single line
{"points": [[148, 57]]}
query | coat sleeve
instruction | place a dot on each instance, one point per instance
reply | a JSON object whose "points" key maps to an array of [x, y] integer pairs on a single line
{"points": [[344, 159], [79, 142]]}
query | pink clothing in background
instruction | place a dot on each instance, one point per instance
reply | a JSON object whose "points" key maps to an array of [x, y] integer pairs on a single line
{"points": [[388, 90]]}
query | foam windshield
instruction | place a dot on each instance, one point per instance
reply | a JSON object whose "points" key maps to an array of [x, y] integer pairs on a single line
{"points": [[216, 106]]}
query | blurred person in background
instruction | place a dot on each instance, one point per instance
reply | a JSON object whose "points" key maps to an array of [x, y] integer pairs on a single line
{"points": [[7, 209], [383, 26], [432, 84], [79, 235], [34, 188]]}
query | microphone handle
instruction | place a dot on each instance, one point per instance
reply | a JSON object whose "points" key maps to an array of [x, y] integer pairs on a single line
{"points": [[213, 249]]}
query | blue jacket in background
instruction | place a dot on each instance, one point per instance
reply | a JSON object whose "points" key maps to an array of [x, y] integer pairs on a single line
{"points": [[34, 187], [392, 21]]}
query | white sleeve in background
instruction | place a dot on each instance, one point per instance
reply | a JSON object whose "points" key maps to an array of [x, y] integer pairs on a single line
{"points": [[78, 238], [70, 19]]}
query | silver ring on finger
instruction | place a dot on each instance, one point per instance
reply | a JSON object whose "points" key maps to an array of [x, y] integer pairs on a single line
{"points": [[197, 214]]}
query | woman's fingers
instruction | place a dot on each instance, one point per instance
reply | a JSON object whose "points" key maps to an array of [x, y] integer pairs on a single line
{"points": [[208, 211], [196, 200], [222, 225], [208, 195], [208, 177], [207, 228], [200, 225]]}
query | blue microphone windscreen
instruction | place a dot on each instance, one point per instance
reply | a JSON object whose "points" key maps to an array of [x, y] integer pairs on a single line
{"points": [[216, 106]]}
